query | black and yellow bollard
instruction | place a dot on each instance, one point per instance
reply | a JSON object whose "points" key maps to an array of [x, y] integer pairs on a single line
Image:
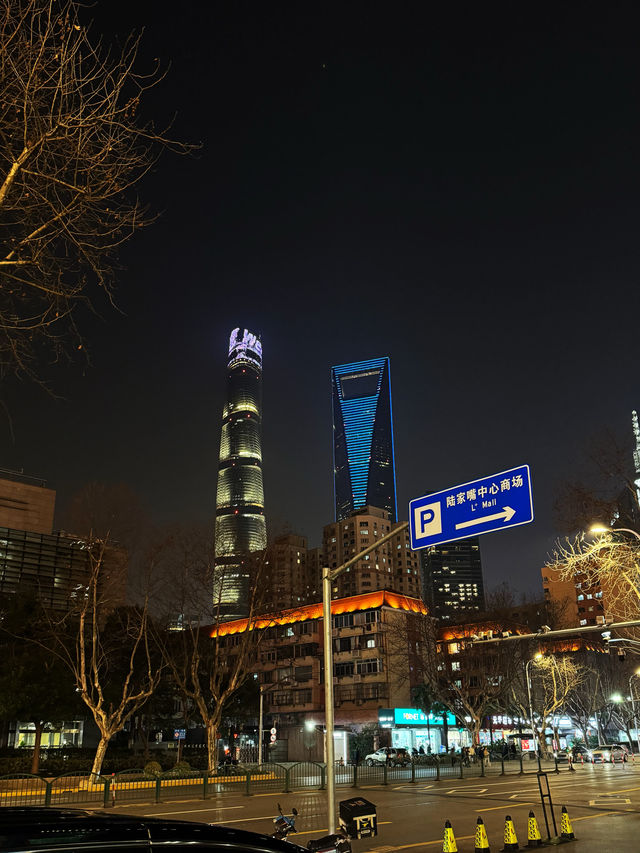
{"points": [[510, 837], [482, 842], [534, 839], [449, 844], [566, 830]]}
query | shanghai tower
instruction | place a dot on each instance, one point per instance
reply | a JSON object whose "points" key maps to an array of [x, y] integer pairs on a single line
{"points": [[240, 522]]}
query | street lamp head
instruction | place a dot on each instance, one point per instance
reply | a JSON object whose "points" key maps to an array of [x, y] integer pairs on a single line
{"points": [[599, 528], [616, 697], [538, 656], [637, 671]]}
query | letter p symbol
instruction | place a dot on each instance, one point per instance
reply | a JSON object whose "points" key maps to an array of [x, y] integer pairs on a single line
{"points": [[427, 520]]}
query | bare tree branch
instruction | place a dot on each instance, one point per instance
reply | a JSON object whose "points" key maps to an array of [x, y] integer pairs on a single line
{"points": [[73, 147]]}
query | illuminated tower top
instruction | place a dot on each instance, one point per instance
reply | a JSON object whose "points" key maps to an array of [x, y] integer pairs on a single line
{"points": [[363, 455], [245, 347]]}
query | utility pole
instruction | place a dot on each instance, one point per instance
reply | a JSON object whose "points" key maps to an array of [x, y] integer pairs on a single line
{"points": [[328, 577]]}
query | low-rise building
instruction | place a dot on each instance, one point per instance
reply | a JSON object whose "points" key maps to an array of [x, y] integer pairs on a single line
{"points": [[369, 671]]}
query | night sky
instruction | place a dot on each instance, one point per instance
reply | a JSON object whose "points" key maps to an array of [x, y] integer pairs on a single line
{"points": [[455, 188]]}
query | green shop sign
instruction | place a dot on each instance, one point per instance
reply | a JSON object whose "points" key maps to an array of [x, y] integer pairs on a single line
{"points": [[416, 717]]}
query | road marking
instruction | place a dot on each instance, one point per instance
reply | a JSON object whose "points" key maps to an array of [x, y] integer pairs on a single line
{"points": [[191, 811], [476, 788], [592, 816], [604, 801], [512, 805]]}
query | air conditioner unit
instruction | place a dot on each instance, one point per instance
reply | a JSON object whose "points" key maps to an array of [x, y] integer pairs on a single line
{"points": [[334, 632], [357, 678], [336, 679], [356, 653]]}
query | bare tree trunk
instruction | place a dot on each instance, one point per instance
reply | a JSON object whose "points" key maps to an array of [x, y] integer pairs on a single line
{"points": [[212, 746], [35, 761], [99, 756]]}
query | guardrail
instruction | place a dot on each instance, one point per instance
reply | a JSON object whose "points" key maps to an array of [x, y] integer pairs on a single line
{"points": [[136, 786]]}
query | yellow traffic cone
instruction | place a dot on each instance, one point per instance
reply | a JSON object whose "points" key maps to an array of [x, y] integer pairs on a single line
{"points": [[449, 844], [534, 839], [510, 837], [566, 830], [482, 842]]}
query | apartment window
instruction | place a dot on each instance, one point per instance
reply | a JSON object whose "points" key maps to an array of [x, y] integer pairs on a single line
{"points": [[303, 673], [366, 667]]}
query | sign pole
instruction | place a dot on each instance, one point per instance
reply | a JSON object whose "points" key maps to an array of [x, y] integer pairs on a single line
{"points": [[328, 699], [328, 576]]}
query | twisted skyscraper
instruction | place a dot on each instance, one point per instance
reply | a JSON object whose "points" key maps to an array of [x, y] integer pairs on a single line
{"points": [[240, 522]]}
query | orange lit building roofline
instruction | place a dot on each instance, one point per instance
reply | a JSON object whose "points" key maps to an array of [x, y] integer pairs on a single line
{"points": [[351, 604]]}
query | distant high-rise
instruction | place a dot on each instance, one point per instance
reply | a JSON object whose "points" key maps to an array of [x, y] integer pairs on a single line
{"points": [[452, 583], [240, 522], [363, 459]]}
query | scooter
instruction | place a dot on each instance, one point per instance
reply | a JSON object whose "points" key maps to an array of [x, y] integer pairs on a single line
{"points": [[335, 843], [284, 825]]}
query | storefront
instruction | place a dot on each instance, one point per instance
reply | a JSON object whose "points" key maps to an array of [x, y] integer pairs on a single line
{"points": [[412, 729]]}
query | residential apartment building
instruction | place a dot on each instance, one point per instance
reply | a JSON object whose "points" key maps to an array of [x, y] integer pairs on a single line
{"points": [[369, 670], [392, 566], [289, 575]]}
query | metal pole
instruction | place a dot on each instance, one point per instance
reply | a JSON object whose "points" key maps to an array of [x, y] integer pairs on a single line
{"points": [[533, 727], [328, 698], [328, 576], [260, 724], [633, 711]]}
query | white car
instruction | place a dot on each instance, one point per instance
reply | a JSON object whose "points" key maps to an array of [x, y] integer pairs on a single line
{"points": [[608, 753], [395, 757]]}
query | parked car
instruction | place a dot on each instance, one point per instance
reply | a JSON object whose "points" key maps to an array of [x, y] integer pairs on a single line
{"points": [[608, 753], [388, 755], [25, 829], [581, 753], [578, 753]]}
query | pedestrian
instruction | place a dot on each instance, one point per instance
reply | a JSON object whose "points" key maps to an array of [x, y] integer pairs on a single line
{"points": [[357, 757], [421, 750], [472, 754]]}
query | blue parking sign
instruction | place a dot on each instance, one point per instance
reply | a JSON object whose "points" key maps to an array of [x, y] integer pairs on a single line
{"points": [[480, 506]]}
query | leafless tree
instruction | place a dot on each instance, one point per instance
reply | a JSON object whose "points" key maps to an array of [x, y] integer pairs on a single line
{"points": [[610, 563], [604, 490], [209, 659], [73, 148], [471, 680], [106, 646], [554, 679]]}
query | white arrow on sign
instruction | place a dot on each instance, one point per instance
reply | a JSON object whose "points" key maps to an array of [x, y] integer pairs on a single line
{"points": [[506, 515]]}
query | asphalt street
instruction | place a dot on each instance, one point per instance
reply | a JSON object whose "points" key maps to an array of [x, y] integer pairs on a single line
{"points": [[603, 803]]}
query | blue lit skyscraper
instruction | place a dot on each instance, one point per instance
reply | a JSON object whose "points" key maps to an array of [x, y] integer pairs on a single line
{"points": [[363, 460]]}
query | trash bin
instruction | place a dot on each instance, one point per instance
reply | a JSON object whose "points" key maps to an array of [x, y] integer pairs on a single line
{"points": [[358, 818]]}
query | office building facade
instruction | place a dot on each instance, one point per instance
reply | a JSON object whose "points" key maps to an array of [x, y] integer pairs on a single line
{"points": [[363, 455], [240, 527], [453, 586]]}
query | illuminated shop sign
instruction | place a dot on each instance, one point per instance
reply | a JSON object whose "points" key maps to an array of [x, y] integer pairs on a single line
{"points": [[416, 717], [244, 346]]}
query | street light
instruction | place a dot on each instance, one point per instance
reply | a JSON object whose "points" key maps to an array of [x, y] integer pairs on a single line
{"points": [[633, 705], [538, 656], [328, 577], [600, 528]]}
